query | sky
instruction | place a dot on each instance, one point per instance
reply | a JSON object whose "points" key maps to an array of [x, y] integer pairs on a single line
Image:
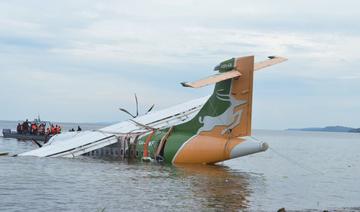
{"points": [[79, 61]]}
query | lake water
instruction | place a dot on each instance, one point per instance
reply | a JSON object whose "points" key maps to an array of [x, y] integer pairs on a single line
{"points": [[300, 171]]}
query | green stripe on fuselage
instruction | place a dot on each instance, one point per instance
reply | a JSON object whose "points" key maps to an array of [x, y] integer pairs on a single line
{"points": [[155, 140], [183, 132]]}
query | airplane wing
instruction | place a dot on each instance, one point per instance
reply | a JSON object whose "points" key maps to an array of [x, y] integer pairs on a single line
{"points": [[78, 143], [233, 73]]}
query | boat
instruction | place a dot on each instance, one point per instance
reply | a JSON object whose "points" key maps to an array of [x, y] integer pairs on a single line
{"points": [[8, 133], [28, 134]]}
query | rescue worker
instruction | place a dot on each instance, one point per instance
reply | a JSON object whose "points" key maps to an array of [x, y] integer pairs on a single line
{"points": [[33, 128], [18, 128], [53, 130], [58, 129], [41, 129], [25, 127]]}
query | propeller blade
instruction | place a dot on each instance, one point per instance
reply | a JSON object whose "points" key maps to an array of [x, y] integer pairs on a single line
{"points": [[150, 109], [125, 111], [37, 143], [137, 106]]}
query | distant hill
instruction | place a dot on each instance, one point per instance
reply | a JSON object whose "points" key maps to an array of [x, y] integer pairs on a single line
{"points": [[329, 129], [355, 130]]}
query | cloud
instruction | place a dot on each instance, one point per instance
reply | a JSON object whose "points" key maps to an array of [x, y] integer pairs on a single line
{"points": [[87, 57]]}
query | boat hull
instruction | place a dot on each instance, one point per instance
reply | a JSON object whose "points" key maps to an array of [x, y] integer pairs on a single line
{"points": [[11, 134]]}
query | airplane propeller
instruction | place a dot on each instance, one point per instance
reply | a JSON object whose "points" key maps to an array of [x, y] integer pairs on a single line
{"points": [[137, 108], [150, 109]]}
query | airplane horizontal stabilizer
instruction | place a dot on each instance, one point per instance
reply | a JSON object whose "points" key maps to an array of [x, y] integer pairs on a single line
{"points": [[212, 79], [273, 60], [232, 73]]}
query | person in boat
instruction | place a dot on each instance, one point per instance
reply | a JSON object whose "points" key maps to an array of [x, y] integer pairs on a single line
{"points": [[72, 130], [58, 129], [25, 127], [34, 128], [79, 128], [52, 130], [18, 128], [31, 128], [41, 129], [44, 129]]}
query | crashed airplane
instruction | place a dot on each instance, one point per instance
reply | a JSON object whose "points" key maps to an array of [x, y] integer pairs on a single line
{"points": [[204, 131]]}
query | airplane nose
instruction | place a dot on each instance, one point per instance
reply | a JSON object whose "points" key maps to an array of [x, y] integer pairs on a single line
{"points": [[247, 147]]}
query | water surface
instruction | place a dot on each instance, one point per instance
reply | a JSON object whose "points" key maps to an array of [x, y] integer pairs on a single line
{"points": [[302, 170]]}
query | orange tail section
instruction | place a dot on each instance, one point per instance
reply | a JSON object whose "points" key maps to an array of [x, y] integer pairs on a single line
{"points": [[242, 89]]}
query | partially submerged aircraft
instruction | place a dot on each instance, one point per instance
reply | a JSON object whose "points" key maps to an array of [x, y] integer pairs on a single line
{"points": [[205, 131]]}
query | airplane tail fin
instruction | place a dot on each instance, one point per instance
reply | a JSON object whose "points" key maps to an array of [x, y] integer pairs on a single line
{"points": [[221, 129], [228, 111]]}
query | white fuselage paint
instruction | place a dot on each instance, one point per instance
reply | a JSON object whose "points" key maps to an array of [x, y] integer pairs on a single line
{"points": [[75, 144]]}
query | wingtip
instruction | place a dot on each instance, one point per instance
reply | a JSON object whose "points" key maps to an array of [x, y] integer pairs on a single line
{"points": [[185, 84], [271, 57]]}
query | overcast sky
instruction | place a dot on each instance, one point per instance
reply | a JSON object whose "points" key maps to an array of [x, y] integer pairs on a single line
{"points": [[78, 61]]}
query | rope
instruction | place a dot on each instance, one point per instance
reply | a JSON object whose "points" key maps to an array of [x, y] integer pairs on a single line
{"points": [[290, 160]]}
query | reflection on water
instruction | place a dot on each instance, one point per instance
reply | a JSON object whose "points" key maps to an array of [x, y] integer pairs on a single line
{"points": [[193, 186], [212, 186], [218, 186], [89, 184]]}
